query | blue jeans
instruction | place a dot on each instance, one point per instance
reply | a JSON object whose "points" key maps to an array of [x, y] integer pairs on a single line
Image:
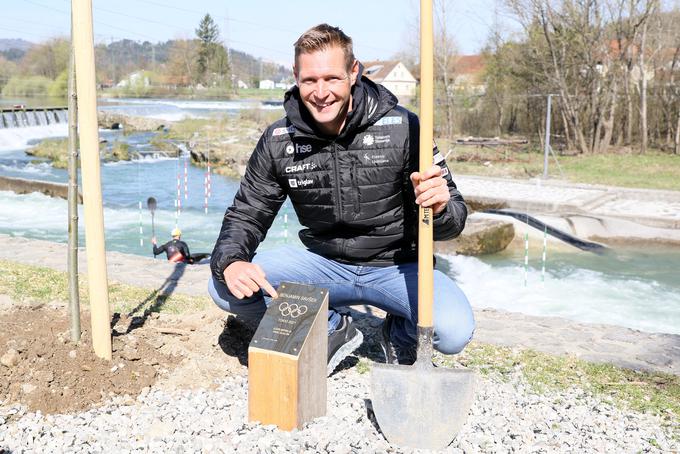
{"points": [[393, 289]]}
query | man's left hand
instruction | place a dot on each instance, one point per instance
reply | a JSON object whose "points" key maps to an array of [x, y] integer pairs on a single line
{"points": [[431, 189]]}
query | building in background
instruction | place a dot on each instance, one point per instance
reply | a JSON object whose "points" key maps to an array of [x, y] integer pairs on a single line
{"points": [[394, 76], [469, 73]]}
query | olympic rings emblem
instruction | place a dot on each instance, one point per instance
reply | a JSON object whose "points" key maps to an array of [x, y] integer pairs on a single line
{"points": [[292, 310]]}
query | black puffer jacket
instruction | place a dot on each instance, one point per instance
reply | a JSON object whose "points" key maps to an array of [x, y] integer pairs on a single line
{"points": [[351, 192]]}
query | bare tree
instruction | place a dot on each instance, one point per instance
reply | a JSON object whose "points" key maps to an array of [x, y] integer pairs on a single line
{"points": [[583, 48], [444, 61]]}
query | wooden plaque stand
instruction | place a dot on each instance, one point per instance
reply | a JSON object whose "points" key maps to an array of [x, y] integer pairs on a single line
{"points": [[287, 359]]}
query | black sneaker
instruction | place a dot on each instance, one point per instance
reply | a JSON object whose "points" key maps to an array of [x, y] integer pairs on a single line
{"points": [[393, 353], [342, 342]]}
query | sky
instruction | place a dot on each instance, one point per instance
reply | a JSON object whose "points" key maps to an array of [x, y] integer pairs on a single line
{"points": [[263, 28]]}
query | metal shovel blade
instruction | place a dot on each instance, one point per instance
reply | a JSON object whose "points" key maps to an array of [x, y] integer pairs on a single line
{"points": [[421, 406]]}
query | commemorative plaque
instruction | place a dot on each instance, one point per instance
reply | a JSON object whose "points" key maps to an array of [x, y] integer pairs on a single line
{"points": [[287, 358]]}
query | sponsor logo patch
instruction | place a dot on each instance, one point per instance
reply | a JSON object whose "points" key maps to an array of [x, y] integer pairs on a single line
{"points": [[295, 183], [370, 139], [281, 131], [303, 148], [290, 149], [375, 158], [386, 121], [300, 167]]}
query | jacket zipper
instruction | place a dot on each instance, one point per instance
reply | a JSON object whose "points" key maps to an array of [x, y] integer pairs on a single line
{"points": [[355, 187], [338, 183]]}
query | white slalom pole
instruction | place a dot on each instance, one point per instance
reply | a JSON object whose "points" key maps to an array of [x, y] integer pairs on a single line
{"points": [[545, 246], [141, 230], [205, 192], [186, 178], [179, 188], [526, 255], [139, 194]]}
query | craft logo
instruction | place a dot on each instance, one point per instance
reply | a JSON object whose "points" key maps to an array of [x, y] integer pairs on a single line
{"points": [[303, 148], [290, 149], [368, 140], [300, 167], [292, 310]]}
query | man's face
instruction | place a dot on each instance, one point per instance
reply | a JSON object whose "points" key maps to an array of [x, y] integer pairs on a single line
{"points": [[325, 86]]}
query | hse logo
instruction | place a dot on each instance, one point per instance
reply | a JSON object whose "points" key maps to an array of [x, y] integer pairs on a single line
{"points": [[300, 167], [293, 183], [303, 148], [290, 149], [292, 310]]}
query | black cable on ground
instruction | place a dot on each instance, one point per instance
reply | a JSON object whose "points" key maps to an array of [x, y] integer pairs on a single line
{"points": [[584, 245]]}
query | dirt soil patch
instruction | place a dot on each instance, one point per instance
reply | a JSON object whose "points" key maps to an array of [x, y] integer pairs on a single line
{"points": [[41, 368]]}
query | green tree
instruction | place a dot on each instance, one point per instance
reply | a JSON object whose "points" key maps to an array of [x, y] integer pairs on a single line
{"points": [[7, 70], [212, 58], [59, 87]]}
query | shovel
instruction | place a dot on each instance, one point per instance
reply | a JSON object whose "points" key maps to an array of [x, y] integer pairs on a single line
{"points": [[422, 406]]}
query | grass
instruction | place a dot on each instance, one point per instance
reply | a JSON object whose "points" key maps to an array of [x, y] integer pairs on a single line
{"points": [[653, 170], [56, 150], [648, 392], [27, 283]]}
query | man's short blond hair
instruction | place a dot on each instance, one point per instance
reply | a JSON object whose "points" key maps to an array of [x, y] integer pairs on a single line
{"points": [[322, 37]]}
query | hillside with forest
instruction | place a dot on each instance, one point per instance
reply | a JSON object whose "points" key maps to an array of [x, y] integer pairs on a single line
{"points": [[179, 65]]}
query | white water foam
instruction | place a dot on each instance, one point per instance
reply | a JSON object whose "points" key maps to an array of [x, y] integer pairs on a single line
{"points": [[199, 105], [585, 295], [12, 139], [30, 169]]}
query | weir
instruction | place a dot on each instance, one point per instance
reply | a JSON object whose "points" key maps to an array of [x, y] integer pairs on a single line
{"points": [[21, 117]]}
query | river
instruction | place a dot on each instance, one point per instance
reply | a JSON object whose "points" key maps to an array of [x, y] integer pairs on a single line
{"points": [[639, 289]]}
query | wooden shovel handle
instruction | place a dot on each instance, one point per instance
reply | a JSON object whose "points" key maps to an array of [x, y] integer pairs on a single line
{"points": [[425, 216]]}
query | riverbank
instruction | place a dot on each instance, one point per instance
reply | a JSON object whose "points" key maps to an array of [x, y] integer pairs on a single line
{"points": [[525, 400], [593, 342]]}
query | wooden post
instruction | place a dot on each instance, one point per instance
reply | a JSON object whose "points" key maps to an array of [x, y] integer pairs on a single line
{"points": [[287, 359], [92, 191], [72, 262]]}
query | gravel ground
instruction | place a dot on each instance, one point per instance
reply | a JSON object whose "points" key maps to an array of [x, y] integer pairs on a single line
{"points": [[506, 417]]}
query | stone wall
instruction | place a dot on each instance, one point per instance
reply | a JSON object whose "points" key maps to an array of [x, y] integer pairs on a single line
{"points": [[23, 186]]}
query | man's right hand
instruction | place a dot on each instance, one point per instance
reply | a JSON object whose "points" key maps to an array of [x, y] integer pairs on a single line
{"points": [[244, 279]]}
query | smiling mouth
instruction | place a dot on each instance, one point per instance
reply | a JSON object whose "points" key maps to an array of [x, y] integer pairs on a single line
{"points": [[322, 106]]}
